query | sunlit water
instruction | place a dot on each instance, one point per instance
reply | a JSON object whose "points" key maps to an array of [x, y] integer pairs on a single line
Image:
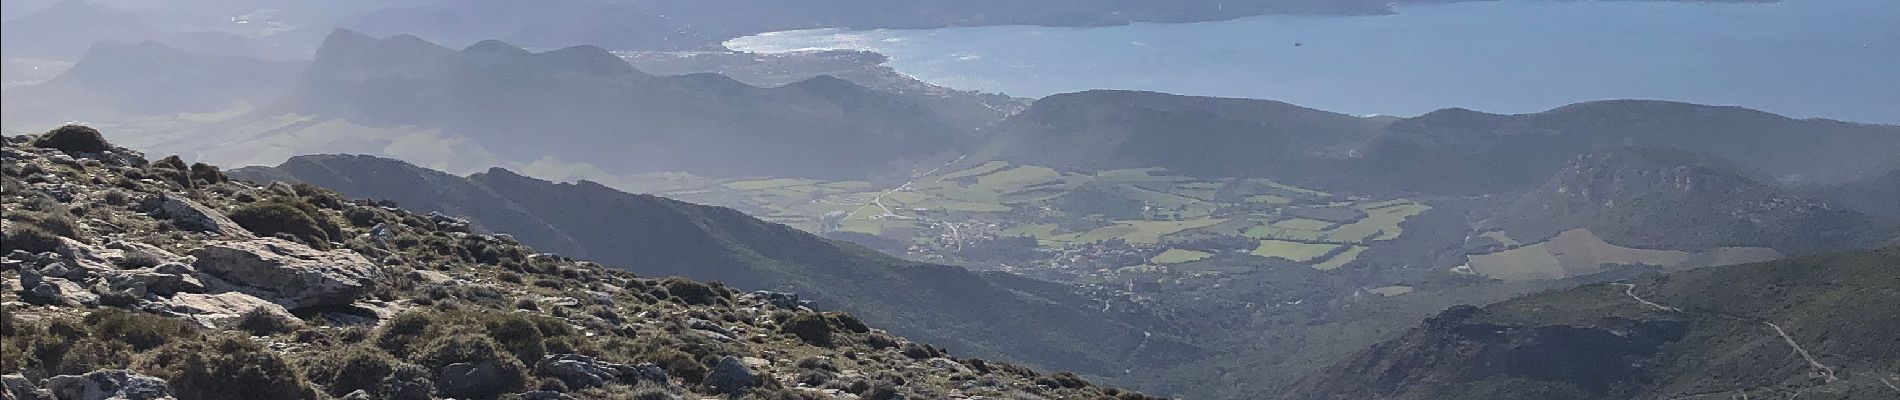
{"points": [[1803, 58]]}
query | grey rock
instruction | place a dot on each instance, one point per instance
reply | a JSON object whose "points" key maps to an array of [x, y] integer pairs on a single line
{"points": [[579, 371], [545, 395], [359, 394], [60, 291], [469, 379], [19, 387], [223, 310], [731, 376], [152, 281], [108, 385], [196, 217], [788, 301], [289, 273]]}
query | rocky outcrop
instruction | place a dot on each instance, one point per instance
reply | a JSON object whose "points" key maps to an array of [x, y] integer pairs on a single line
{"points": [[108, 385], [196, 217], [223, 310], [291, 274], [579, 371]]}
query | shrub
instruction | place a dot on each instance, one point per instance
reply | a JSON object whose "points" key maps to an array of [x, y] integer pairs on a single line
{"points": [[690, 292], [226, 367], [811, 328], [680, 364], [208, 174], [405, 331], [847, 322], [286, 215], [141, 331], [73, 139], [473, 348], [350, 369], [518, 335], [258, 322], [31, 239]]}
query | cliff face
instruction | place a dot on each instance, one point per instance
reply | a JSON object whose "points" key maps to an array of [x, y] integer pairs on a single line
{"points": [[163, 280]]}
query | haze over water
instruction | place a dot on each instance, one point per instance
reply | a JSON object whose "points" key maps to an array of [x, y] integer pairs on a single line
{"points": [[1802, 58]]}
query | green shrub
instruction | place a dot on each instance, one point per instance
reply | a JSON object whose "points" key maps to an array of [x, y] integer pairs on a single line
{"points": [[690, 292], [226, 367], [680, 364], [518, 334], [287, 215], [31, 239], [349, 369], [811, 328], [208, 174], [141, 331], [258, 322], [73, 139], [404, 332], [465, 347]]}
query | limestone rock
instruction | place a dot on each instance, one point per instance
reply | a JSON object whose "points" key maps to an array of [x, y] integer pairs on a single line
{"points": [[108, 385], [222, 310], [289, 273], [192, 216]]}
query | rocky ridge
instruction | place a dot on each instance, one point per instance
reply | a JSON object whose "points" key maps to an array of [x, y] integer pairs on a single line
{"points": [[131, 279]]}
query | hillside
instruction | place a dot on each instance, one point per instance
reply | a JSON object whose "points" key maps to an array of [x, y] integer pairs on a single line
{"points": [[1812, 327], [582, 105], [1464, 151], [155, 280], [661, 237], [540, 24], [119, 80], [1203, 136], [1661, 198]]}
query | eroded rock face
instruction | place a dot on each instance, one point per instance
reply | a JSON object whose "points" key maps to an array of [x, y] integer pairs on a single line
{"points": [[108, 385], [290, 274], [190, 215]]}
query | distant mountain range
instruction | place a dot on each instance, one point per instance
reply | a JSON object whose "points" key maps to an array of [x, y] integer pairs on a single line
{"points": [[1206, 136], [585, 105], [1665, 198], [1807, 327], [973, 313], [1450, 151], [117, 79]]}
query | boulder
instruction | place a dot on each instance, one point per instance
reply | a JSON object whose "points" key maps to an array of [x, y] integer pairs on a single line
{"points": [[289, 273], [108, 385], [141, 281], [59, 291], [196, 217], [731, 376], [469, 380], [17, 387], [579, 371], [222, 311]]}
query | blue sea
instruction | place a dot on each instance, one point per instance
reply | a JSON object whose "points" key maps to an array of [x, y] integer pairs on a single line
{"points": [[1802, 58]]}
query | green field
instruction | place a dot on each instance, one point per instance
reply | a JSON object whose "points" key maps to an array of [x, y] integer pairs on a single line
{"points": [[1292, 251], [1381, 223], [1177, 256], [1340, 260]]}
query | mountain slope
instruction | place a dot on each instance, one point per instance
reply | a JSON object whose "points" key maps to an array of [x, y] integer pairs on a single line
{"points": [[1813, 327], [583, 105], [151, 79], [549, 24], [1105, 129], [1464, 151], [128, 278], [657, 236], [1661, 198]]}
